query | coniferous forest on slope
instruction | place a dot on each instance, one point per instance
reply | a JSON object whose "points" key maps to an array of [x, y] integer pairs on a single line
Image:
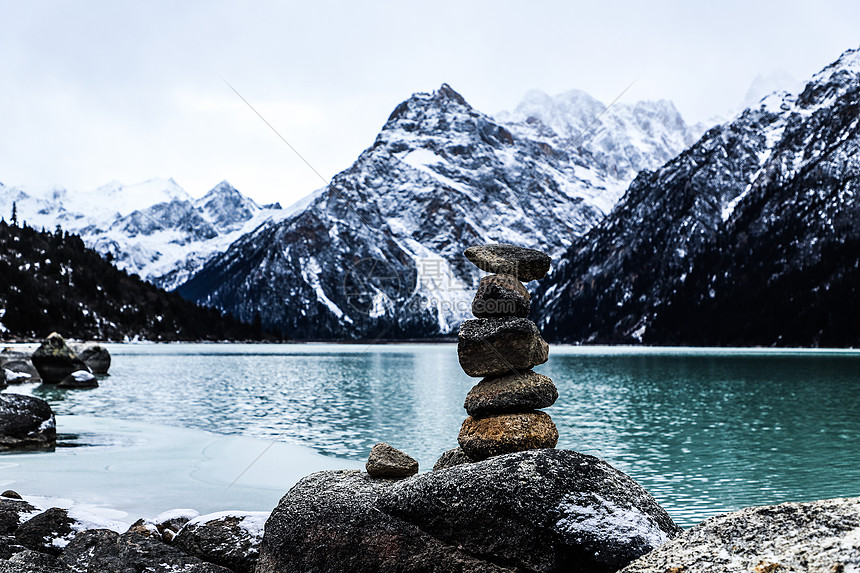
{"points": [[49, 281]]}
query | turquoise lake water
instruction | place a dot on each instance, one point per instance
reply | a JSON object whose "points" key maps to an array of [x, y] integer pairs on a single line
{"points": [[705, 431]]}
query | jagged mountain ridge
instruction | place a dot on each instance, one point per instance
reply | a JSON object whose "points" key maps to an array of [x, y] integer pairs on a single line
{"points": [[154, 229], [379, 251], [746, 238]]}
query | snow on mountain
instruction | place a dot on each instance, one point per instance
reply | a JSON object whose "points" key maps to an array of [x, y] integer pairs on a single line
{"points": [[379, 251], [749, 237], [154, 229], [626, 138]]}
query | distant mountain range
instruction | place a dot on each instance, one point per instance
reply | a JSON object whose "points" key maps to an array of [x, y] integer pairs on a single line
{"points": [[154, 229], [750, 237], [379, 251], [661, 233]]}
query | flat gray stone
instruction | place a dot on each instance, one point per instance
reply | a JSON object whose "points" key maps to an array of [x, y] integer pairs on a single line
{"points": [[524, 264], [519, 392], [500, 346]]}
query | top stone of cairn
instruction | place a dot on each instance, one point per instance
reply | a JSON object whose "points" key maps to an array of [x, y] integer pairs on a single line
{"points": [[525, 264]]}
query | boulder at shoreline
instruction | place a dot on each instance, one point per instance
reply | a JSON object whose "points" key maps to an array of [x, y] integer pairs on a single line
{"points": [[814, 536], [26, 422], [539, 510]]}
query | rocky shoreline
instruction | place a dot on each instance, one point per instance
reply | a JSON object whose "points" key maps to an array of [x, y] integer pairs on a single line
{"points": [[471, 535]]}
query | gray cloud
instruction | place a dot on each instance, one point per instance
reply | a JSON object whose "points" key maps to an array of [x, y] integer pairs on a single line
{"points": [[98, 91]]}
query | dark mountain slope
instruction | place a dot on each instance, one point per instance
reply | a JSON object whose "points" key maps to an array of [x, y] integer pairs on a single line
{"points": [[52, 282], [746, 238]]}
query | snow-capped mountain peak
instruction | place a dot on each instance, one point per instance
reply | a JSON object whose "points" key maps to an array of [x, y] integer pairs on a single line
{"points": [[380, 249]]}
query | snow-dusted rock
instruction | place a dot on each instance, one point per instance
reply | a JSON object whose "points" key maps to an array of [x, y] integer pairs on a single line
{"points": [[542, 510], [230, 538], [816, 536], [26, 422], [170, 522], [79, 379], [17, 366], [48, 532]]}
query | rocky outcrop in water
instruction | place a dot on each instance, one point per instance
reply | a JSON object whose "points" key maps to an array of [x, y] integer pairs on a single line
{"points": [[55, 360], [545, 510], [95, 356], [26, 422], [817, 536]]}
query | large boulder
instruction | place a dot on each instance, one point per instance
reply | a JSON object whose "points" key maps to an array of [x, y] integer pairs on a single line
{"points": [[12, 513], [815, 536], [541, 510], [231, 539], [54, 360], [29, 561], [94, 355], [26, 422], [93, 550]]}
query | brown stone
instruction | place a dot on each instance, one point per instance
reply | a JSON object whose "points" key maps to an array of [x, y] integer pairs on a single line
{"points": [[499, 346], [482, 438], [524, 264], [511, 393], [501, 295]]}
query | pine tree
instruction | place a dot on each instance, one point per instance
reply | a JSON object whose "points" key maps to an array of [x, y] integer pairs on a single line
{"points": [[14, 214]]}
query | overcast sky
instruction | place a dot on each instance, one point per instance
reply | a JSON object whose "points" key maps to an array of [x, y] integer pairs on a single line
{"points": [[95, 91]]}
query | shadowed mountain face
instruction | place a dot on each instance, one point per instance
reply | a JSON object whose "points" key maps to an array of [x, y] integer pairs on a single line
{"points": [[379, 251], [750, 237]]}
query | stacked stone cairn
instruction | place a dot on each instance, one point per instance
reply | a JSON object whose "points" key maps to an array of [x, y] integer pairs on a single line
{"points": [[501, 346]]}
